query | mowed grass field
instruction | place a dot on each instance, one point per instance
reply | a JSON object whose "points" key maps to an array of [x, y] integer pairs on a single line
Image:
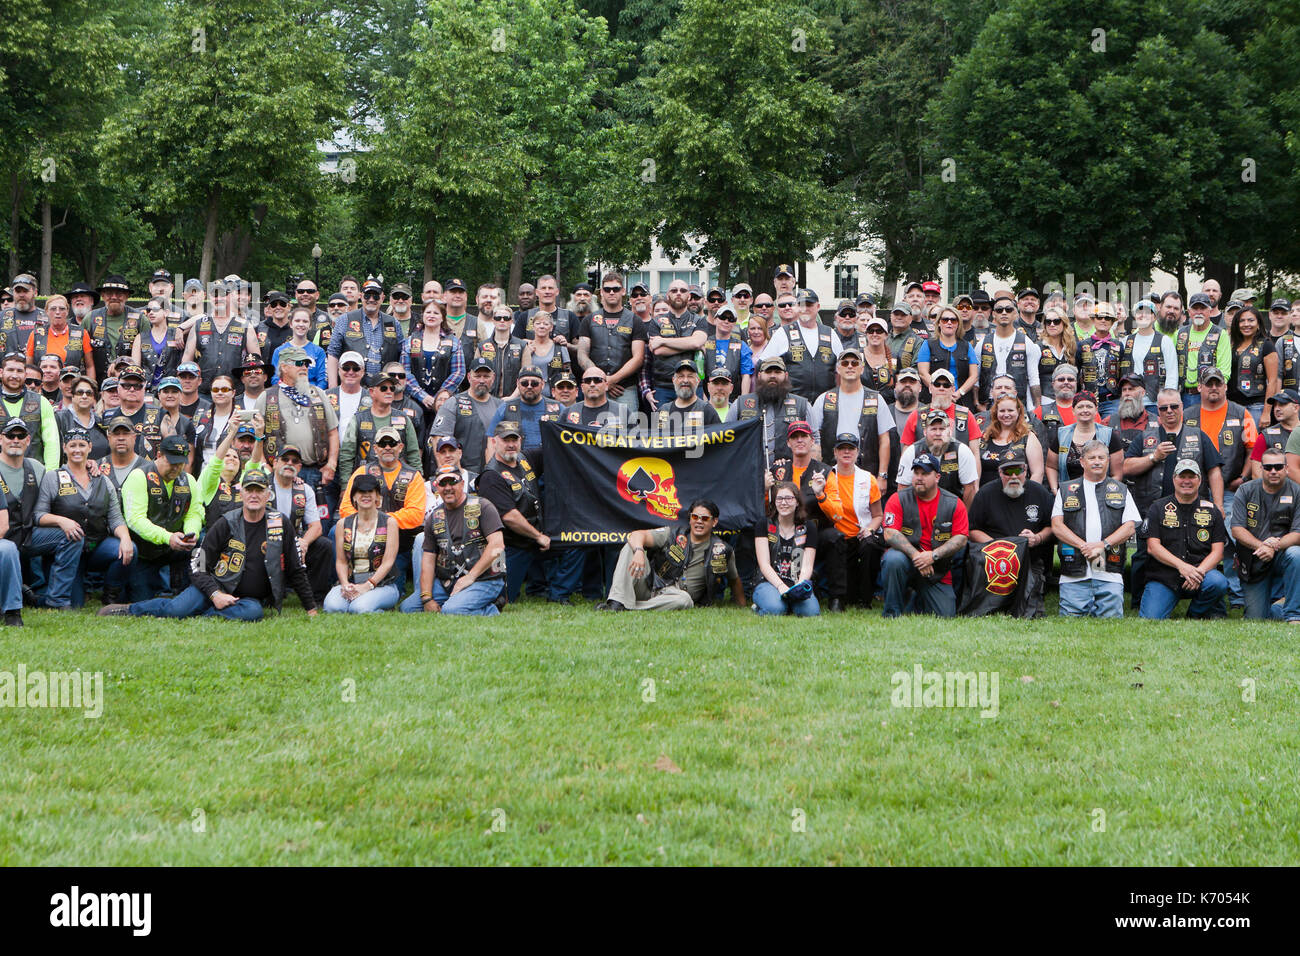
{"points": [[536, 738]]}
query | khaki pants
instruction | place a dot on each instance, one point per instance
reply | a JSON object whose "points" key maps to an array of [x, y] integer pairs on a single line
{"points": [[634, 593]]}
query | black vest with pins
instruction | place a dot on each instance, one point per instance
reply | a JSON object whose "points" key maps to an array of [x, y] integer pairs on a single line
{"points": [[867, 428], [1111, 496], [940, 531], [230, 566], [670, 563]]}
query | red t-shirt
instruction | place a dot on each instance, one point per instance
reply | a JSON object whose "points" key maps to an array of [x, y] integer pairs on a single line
{"points": [[927, 510], [909, 429]]}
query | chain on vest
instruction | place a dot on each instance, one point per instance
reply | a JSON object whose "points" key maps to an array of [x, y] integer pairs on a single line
{"points": [[378, 547], [868, 428], [234, 555], [1099, 367], [1111, 498], [940, 530], [674, 557]]}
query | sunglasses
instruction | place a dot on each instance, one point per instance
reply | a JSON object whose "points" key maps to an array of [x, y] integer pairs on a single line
{"points": [[303, 291], [847, 314], [221, 390], [386, 443], [303, 363], [386, 388], [640, 295], [611, 289], [875, 331], [1054, 322], [352, 368], [81, 392], [762, 305], [372, 295], [448, 482], [530, 382], [850, 363], [400, 376], [400, 297], [337, 306], [15, 436], [741, 295], [1274, 467], [1014, 471], [137, 387], [592, 381], [1168, 408], [33, 381], [701, 517], [947, 318], [712, 298], [785, 305], [1006, 308]]}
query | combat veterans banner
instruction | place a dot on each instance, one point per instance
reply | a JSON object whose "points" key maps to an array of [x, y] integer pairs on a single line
{"points": [[601, 484]]}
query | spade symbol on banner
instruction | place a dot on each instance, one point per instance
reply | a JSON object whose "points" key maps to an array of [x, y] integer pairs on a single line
{"points": [[640, 484]]}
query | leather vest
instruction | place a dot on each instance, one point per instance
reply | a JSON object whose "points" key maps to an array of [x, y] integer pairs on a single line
{"points": [[1111, 495], [1017, 367], [1288, 359], [455, 559], [1275, 438], [949, 465], [225, 499], [469, 431], [167, 511], [867, 427], [1248, 369], [1065, 438], [219, 353], [430, 369], [1263, 524], [30, 413], [1205, 354], [734, 351], [378, 546], [524, 490], [611, 340], [230, 566], [670, 563], [811, 372], [394, 496], [91, 513], [505, 361], [940, 532], [1191, 538], [1098, 364], [354, 339], [1153, 364], [22, 505], [320, 432], [786, 554], [1232, 449], [74, 353], [366, 428]]}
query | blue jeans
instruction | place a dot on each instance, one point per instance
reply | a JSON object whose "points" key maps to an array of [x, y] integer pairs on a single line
{"points": [[1230, 551], [768, 601], [477, 599], [192, 603], [1256, 409], [380, 599], [1159, 599], [1191, 400], [145, 577], [563, 570], [103, 557], [898, 575], [1107, 408], [663, 397], [66, 555], [11, 576], [1092, 598], [1283, 583]]}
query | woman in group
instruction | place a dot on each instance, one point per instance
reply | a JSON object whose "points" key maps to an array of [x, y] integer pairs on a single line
{"points": [[758, 336], [80, 415], [543, 352], [878, 361], [57, 337], [211, 423], [1254, 365], [434, 360], [786, 545], [1009, 436], [365, 550], [945, 350], [1058, 348], [1065, 462], [158, 348]]}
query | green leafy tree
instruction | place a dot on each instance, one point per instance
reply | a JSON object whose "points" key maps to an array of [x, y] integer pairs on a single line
{"points": [[737, 135]]}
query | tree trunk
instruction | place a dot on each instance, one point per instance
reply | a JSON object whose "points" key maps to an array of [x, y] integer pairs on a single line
{"points": [[210, 236], [91, 271], [1182, 277], [47, 246], [15, 221], [428, 254], [724, 265], [1224, 273], [516, 269]]}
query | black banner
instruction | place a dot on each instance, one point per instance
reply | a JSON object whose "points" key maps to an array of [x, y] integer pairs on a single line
{"points": [[1001, 577], [602, 484]]}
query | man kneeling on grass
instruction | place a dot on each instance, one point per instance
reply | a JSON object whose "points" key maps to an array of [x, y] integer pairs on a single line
{"points": [[247, 556], [687, 566]]}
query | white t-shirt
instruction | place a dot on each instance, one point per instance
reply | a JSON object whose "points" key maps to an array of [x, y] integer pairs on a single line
{"points": [[1002, 350], [1092, 528], [284, 503], [348, 405], [1141, 345], [968, 468]]}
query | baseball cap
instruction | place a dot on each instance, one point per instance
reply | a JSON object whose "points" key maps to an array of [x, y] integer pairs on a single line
{"points": [[851, 350], [121, 421], [805, 296], [1013, 458], [936, 415], [23, 279], [901, 306], [353, 357], [276, 296], [942, 373], [685, 363], [1199, 298], [1186, 464], [742, 287], [695, 289], [925, 462], [644, 289], [1209, 373], [193, 285], [847, 438], [878, 322], [530, 371], [338, 297], [720, 372], [479, 364], [108, 385], [246, 428], [169, 381], [175, 449], [1287, 395], [725, 309], [70, 372], [774, 361], [15, 423], [255, 476], [1150, 306], [964, 298], [446, 471], [1105, 310], [455, 284], [1027, 292], [372, 285], [388, 431], [161, 275], [931, 286], [294, 353], [400, 288], [914, 284], [289, 449], [1280, 304], [783, 270], [1133, 378], [507, 427], [796, 427], [445, 441], [188, 368], [131, 371], [566, 377], [908, 372], [865, 298]]}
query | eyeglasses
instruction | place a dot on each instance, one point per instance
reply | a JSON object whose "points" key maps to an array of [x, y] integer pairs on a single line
{"points": [[875, 331], [303, 363], [611, 289], [1168, 408], [1053, 321], [303, 291], [762, 305], [1013, 471], [847, 314], [15, 435], [222, 390], [530, 383], [713, 298], [400, 296], [850, 363], [1005, 308], [372, 295], [785, 500], [386, 443], [741, 295], [785, 305], [448, 482], [399, 376], [82, 392], [1279, 467], [33, 381]]}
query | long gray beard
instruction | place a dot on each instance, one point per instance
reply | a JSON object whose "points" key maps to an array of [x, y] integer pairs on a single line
{"points": [[1130, 408], [1013, 491]]}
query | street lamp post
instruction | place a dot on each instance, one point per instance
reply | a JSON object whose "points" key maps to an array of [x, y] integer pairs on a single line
{"points": [[315, 255]]}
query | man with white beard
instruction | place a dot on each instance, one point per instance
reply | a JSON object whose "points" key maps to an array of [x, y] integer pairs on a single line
{"points": [[1016, 507]]}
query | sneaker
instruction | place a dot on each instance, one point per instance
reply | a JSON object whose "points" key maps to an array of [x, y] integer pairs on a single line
{"points": [[611, 606], [110, 609], [13, 618]]}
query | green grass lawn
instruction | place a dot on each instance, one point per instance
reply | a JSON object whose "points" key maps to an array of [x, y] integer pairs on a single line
{"points": [[529, 739]]}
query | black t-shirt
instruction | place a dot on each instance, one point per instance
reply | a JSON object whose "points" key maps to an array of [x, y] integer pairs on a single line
{"points": [[1170, 521], [786, 556], [493, 487], [489, 523], [1001, 517], [1074, 461], [1210, 458]]}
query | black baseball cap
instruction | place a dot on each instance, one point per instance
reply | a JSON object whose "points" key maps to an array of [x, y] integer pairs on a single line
{"points": [[925, 462]]}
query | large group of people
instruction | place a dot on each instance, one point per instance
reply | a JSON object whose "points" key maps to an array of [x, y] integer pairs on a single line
{"points": [[204, 453]]}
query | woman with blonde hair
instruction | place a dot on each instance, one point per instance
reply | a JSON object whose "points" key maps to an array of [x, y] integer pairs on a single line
{"points": [[1058, 348]]}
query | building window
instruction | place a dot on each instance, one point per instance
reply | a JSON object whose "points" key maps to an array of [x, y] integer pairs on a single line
{"points": [[666, 277], [637, 276], [960, 280], [846, 282]]}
